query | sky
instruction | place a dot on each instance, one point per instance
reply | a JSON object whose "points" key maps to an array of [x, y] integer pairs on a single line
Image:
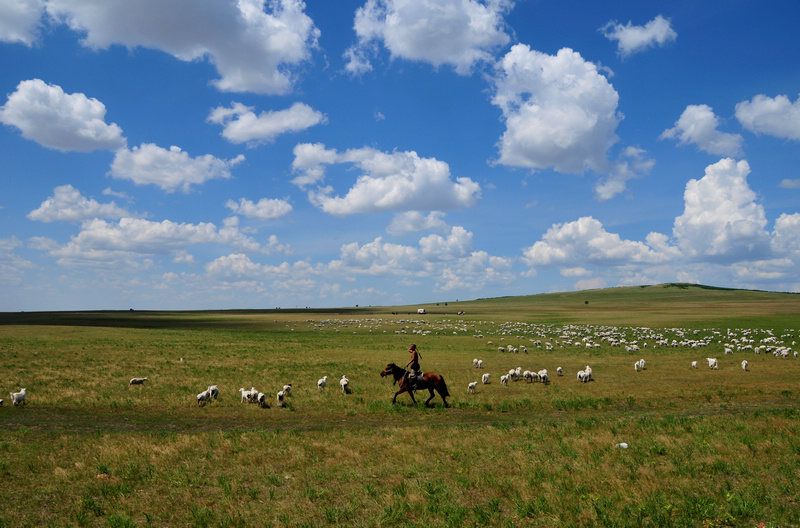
{"points": [[212, 154]]}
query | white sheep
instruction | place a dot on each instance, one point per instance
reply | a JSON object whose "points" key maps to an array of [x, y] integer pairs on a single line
{"points": [[588, 372], [137, 381], [18, 397], [542, 374], [214, 390], [480, 364], [504, 379], [694, 364], [279, 398], [559, 371], [322, 382], [528, 376], [485, 378], [713, 364], [582, 376], [261, 399], [744, 365], [345, 384], [471, 387], [203, 397], [475, 362], [247, 395], [287, 389]]}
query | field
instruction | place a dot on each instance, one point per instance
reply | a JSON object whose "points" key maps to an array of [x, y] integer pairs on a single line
{"points": [[705, 448]]}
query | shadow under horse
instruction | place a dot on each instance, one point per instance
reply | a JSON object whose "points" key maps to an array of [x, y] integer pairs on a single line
{"points": [[431, 381]]}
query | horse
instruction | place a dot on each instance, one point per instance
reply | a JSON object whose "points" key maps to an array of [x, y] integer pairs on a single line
{"points": [[431, 381]]}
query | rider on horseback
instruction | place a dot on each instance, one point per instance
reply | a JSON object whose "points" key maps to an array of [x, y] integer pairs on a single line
{"points": [[413, 376]]}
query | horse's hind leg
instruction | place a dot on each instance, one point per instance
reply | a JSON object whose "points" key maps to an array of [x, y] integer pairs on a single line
{"points": [[428, 401]]}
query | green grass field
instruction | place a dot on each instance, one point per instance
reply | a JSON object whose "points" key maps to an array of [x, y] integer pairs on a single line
{"points": [[705, 447]]}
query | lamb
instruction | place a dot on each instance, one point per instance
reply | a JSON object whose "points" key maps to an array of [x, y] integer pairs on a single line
{"points": [[638, 366], [485, 378], [471, 387], [248, 395], [279, 398], [322, 382], [203, 397], [744, 365], [345, 383], [137, 381], [287, 389], [18, 397], [504, 379], [560, 371], [713, 364], [694, 364]]}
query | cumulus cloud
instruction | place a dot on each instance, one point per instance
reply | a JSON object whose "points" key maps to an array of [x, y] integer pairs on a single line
{"points": [[399, 181], [699, 125], [633, 39], [721, 219], [459, 33], [786, 236], [773, 116], [585, 241], [19, 20], [61, 121], [264, 209], [254, 44], [132, 240], [239, 265], [242, 125], [171, 169], [411, 221], [632, 163], [68, 205], [560, 112]]}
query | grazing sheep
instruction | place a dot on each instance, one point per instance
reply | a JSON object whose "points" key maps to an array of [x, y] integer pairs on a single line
{"points": [[504, 379], [322, 382], [582, 377], [528, 376], [18, 397], [288, 389], [480, 364], [214, 390], [744, 365], [471, 387], [542, 374], [475, 362], [345, 383], [261, 399], [694, 364], [485, 378], [713, 364], [588, 373], [248, 395], [203, 397], [559, 371], [137, 381], [1, 403], [279, 398]]}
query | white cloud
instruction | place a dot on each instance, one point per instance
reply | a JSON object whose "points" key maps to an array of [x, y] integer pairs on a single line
{"points": [[169, 169], [19, 20], [586, 242], [242, 125], [776, 116], [411, 221], [631, 164], [721, 220], [254, 44], [560, 112], [786, 236], [399, 181], [459, 33], [132, 241], [61, 121], [12, 266], [789, 184], [68, 205], [698, 124], [590, 284], [264, 209], [633, 39]]}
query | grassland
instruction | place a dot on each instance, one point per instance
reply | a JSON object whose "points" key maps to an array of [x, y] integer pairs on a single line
{"points": [[705, 448]]}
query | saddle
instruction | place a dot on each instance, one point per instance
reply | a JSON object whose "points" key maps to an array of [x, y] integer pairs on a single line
{"points": [[416, 381]]}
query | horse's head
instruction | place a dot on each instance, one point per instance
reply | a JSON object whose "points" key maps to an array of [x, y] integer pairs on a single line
{"points": [[389, 370]]}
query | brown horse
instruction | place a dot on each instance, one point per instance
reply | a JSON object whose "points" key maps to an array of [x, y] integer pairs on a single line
{"points": [[431, 381]]}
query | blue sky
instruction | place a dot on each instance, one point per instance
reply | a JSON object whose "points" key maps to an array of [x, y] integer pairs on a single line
{"points": [[208, 154]]}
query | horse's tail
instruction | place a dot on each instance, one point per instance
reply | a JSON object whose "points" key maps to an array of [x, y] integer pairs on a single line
{"points": [[443, 389]]}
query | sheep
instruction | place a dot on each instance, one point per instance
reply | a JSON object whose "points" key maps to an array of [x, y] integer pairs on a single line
{"points": [[528, 376], [214, 391], [713, 364], [203, 397], [475, 362], [279, 398], [582, 376], [542, 374], [287, 389], [1, 402], [559, 371], [694, 364], [248, 395], [261, 399], [744, 365], [18, 397], [588, 373], [471, 387], [137, 381], [485, 378], [480, 364], [504, 380], [639, 365], [345, 384], [322, 382]]}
